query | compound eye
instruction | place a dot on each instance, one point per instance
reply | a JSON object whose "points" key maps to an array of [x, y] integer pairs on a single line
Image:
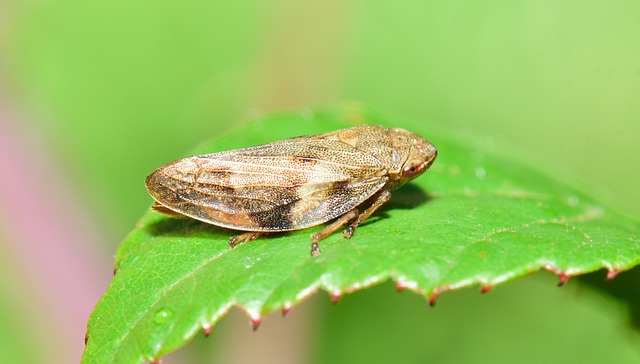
{"points": [[412, 169]]}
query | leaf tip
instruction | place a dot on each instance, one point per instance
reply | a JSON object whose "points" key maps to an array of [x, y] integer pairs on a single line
{"points": [[612, 274], [336, 296], [486, 288], [563, 278], [434, 296], [255, 322], [286, 308], [207, 329], [562, 275]]}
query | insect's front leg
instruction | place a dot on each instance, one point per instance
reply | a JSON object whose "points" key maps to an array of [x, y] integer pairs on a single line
{"points": [[354, 216], [379, 200], [315, 238]]}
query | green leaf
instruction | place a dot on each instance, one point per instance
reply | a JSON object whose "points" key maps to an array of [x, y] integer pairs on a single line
{"points": [[476, 217]]}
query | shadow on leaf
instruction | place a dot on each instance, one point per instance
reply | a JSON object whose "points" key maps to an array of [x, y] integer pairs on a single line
{"points": [[184, 226], [407, 197]]}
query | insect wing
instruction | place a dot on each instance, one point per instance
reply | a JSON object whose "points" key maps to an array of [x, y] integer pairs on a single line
{"points": [[281, 186]]}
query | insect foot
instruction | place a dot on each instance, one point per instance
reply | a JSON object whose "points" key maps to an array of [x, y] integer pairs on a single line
{"points": [[315, 250]]}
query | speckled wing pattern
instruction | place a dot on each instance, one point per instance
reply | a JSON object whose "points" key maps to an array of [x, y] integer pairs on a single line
{"points": [[282, 186]]}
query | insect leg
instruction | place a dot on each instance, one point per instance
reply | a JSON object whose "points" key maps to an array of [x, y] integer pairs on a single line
{"points": [[380, 199], [243, 238], [165, 210], [315, 238]]}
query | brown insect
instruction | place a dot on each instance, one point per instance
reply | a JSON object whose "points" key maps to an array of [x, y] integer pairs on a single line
{"points": [[295, 183]]}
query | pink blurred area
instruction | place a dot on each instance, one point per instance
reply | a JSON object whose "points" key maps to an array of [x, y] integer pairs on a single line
{"points": [[52, 252]]}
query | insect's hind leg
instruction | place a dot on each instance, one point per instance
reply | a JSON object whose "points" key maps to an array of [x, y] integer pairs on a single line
{"points": [[244, 238], [328, 230]]}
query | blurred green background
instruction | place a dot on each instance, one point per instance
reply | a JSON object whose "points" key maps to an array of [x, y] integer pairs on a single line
{"points": [[97, 94]]}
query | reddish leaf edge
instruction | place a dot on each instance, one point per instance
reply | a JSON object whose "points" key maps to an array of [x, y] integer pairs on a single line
{"points": [[255, 318]]}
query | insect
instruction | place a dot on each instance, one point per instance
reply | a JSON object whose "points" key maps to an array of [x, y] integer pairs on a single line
{"points": [[295, 183]]}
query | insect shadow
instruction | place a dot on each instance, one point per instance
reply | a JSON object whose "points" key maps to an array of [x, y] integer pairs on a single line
{"points": [[179, 226], [408, 197]]}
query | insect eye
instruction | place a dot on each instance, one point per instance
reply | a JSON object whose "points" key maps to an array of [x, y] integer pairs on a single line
{"points": [[412, 169]]}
